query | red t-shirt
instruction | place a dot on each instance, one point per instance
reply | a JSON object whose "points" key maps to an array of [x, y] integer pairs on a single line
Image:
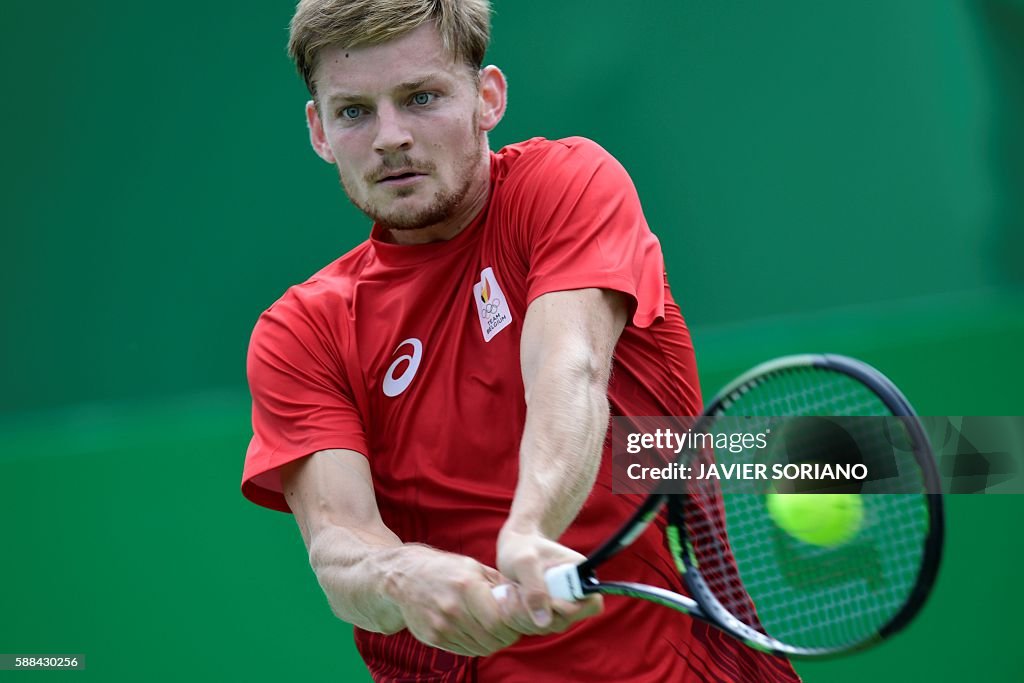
{"points": [[410, 356]]}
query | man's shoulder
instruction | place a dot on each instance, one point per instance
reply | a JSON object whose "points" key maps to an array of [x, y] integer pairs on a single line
{"points": [[550, 167], [541, 172], [542, 150]]}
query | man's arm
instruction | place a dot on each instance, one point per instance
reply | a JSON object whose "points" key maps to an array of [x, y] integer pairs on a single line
{"points": [[376, 582], [567, 345]]}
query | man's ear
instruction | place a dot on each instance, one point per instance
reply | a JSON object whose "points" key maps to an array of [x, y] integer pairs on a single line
{"points": [[317, 138], [493, 93]]}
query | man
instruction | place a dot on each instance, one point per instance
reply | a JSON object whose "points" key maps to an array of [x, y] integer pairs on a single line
{"points": [[433, 405]]}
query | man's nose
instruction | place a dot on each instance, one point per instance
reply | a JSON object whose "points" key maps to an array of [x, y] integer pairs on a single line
{"points": [[392, 132]]}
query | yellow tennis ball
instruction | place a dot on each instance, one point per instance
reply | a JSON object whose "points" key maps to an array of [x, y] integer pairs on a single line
{"points": [[823, 519]]}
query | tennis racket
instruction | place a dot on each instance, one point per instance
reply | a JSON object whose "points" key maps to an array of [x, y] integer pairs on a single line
{"points": [[751, 579]]}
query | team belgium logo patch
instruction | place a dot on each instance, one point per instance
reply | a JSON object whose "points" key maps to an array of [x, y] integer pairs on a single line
{"points": [[491, 304]]}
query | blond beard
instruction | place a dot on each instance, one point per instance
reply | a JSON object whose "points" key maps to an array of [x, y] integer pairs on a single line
{"points": [[444, 203]]}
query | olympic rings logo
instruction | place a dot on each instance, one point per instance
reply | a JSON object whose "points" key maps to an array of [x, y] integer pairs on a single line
{"points": [[490, 308]]}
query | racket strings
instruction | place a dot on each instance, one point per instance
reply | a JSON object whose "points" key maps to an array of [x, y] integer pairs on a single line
{"points": [[796, 592], [823, 597]]}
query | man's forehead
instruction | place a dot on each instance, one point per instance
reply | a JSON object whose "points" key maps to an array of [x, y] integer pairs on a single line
{"points": [[417, 56]]}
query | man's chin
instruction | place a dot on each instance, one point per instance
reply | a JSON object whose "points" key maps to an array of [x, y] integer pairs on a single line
{"points": [[409, 220], [406, 217], [410, 226], [412, 208], [412, 214]]}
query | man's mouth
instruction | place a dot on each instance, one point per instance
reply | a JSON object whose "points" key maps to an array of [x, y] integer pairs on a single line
{"points": [[401, 177]]}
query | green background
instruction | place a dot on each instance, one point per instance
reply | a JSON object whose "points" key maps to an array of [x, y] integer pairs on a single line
{"points": [[824, 177]]}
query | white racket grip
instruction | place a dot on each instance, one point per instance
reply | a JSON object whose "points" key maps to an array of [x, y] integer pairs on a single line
{"points": [[563, 583]]}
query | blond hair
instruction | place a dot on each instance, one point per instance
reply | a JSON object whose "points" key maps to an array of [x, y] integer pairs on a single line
{"points": [[464, 26]]}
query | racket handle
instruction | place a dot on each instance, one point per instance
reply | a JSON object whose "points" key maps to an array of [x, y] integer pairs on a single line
{"points": [[563, 583]]}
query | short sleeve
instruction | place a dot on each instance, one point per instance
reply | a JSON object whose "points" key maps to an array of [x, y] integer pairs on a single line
{"points": [[583, 226], [301, 398]]}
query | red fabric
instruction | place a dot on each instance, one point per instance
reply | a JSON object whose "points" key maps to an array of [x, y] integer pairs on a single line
{"points": [[444, 451]]}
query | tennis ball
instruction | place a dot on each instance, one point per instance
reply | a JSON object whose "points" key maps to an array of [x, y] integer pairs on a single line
{"points": [[823, 519]]}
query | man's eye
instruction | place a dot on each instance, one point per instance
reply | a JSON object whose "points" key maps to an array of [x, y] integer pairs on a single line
{"points": [[422, 98], [350, 112]]}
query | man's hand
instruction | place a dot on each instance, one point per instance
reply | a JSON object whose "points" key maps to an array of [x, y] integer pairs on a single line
{"points": [[375, 581], [523, 557], [446, 602]]}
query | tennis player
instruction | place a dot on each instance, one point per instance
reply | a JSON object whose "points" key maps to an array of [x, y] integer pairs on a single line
{"points": [[433, 406]]}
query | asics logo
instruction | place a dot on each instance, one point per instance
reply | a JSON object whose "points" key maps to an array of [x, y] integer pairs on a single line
{"points": [[393, 386]]}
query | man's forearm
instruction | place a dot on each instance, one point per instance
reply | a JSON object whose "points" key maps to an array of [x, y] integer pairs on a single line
{"points": [[566, 423], [358, 572], [375, 581], [380, 584]]}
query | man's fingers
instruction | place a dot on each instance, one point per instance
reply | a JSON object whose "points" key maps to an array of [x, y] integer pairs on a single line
{"points": [[493, 575], [488, 614], [595, 605], [456, 638], [565, 614], [479, 621], [466, 621], [534, 591], [515, 614], [523, 558], [589, 606]]}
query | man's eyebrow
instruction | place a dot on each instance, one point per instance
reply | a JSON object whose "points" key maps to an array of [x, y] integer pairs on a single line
{"points": [[419, 83], [401, 87]]}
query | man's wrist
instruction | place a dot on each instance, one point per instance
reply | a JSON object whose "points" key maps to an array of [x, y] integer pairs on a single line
{"points": [[523, 525], [398, 569]]}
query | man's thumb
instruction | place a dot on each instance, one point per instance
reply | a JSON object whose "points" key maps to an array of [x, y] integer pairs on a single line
{"points": [[538, 601]]}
